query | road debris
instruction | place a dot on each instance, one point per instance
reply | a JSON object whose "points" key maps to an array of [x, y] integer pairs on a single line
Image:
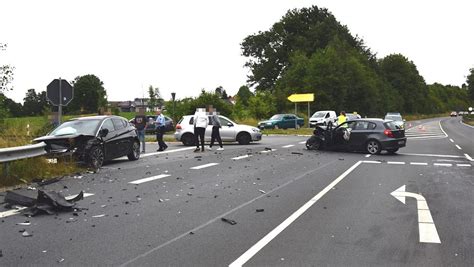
{"points": [[98, 216], [26, 234], [46, 202], [261, 191], [24, 223], [229, 221], [259, 210], [296, 153]]}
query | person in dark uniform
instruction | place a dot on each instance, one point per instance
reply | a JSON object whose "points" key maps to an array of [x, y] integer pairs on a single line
{"points": [[216, 126]]}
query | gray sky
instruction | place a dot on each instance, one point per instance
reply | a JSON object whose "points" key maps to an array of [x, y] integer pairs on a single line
{"points": [[183, 46]]}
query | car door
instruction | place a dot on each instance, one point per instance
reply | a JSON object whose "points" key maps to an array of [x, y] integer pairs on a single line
{"points": [[338, 140], [110, 148], [228, 129], [123, 139], [290, 121], [359, 134]]}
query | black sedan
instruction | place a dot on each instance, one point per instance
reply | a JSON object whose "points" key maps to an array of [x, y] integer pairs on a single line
{"points": [[369, 135], [93, 140]]}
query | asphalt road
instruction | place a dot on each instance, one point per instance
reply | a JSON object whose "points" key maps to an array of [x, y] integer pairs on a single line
{"points": [[292, 207]]}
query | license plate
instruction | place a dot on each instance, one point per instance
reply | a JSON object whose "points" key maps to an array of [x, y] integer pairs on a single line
{"points": [[401, 142], [52, 160]]}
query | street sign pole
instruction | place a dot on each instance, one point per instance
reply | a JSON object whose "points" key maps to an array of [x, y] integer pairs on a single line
{"points": [[296, 114], [309, 113], [60, 107]]}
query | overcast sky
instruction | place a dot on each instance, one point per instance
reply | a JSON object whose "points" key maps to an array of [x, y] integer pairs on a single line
{"points": [[183, 46]]}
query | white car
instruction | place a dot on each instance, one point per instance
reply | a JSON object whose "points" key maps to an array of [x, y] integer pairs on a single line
{"points": [[230, 131], [323, 117]]}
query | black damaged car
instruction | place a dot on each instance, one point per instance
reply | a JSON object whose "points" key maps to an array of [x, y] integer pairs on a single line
{"points": [[93, 140], [368, 135]]}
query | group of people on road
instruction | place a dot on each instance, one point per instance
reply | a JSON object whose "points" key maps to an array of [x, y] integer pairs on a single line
{"points": [[201, 120]]}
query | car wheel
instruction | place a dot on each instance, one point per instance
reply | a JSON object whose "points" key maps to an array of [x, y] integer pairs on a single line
{"points": [[313, 143], [392, 151], [96, 157], [135, 153], [373, 147], [244, 138], [188, 139]]}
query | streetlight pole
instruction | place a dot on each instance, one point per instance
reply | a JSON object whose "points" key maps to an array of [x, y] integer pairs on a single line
{"points": [[173, 96]]}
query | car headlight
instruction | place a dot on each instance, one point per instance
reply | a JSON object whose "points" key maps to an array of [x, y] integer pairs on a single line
{"points": [[255, 130]]}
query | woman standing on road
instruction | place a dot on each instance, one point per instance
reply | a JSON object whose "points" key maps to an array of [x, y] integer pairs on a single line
{"points": [[216, 125], [200, 124]]}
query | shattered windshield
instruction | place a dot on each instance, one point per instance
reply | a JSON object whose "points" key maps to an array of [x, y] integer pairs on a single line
{"points": [[318, 114], [85, 127], [276, 117]]}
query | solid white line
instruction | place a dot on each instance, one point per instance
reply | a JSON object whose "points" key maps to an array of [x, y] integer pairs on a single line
{"points": [[443, 164], [468, 157], [165, 152], [441, 127], [452, 141], [270, 236], [396, 162], [419, 163], [287, 146], [241, 157], [368, 155], [144, 180], [430, 155], [204, 166], [464, 165], [459, 147], [466, 124], [372, 162]]}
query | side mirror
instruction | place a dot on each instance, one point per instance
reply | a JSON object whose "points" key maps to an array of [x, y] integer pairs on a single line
{"points": [[230, 124], [103, 132]]}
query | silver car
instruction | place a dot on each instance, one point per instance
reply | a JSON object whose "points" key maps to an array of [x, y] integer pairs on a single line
{"points": [[230, 131]]}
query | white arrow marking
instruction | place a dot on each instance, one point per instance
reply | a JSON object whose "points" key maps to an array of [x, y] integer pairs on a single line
{"points": [[426, 226]]}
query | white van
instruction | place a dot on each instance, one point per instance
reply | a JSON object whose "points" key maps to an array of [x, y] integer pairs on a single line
{"points": [[323, 117]]}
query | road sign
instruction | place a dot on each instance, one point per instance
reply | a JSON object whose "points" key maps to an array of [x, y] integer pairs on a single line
{"points": [[301, 98], [59, 92], [426, 226]]}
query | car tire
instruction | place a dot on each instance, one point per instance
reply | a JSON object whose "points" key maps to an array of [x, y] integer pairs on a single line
{"points": [[96, 157], [313, 143], [392, 151], [188, 139], [135, 153], [373, 147], [244, 138]]}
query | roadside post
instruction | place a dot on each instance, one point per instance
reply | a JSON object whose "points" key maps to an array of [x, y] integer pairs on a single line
{"points": [[295, 98], [173, 96], [59, 93]]}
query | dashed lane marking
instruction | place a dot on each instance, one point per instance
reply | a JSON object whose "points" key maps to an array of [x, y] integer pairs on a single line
{"points": [[452, 141], [287, 146], [165, 152], [304, 142], [241, 157], [459, 147], [149, 179], [371, 162], [464, 165], [468, 157], [431, 155], [419, 163], [204, 166], [443, 164], [396, 162]]}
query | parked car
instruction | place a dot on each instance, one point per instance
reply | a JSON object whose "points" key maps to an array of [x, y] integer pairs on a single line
{"points": [[352, 116], [396, 117], [453, 114], [151, 128], [282, 121], [93, 140], [230, 131], [323, 117], [370, 135]]}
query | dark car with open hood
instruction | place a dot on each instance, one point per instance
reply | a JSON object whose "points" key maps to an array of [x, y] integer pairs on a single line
{"points": [[93, 140]]}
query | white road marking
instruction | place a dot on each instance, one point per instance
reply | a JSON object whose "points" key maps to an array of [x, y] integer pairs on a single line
{"points": [[458, 147], [241, 157], [443, 164], [396, 162], [304, 142], [12, 212], [468, 157], [267, 151], [419, 163], [430, 155], [466, 124], [287, 146], [165, 152], [144, 180], [372, 162], [464, 165], [368, 155], [204, 166], [270, 236], [441, 127], [452, 141], [426, 227]]}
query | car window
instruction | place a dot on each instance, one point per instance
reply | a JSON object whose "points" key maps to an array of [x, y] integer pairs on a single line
{"points": [[191, 121], [118, 124], [108, 124], [393, 126], [327, 115], [361, 125], [86, 127], [372, 126], [224, 121]]}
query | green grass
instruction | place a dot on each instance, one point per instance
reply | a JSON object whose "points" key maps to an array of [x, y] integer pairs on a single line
{"points": [[415, 117], [468, 119]]}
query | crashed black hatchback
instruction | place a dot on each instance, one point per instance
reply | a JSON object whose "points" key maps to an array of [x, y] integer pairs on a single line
{"points": [[93, 140]]}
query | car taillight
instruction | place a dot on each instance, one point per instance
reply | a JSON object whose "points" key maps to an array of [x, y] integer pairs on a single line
{"points": [[178, 127], [388, 133]]}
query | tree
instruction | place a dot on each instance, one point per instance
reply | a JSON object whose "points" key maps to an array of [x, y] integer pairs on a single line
{"points": [[243, 95], [224, 95], [89, 95], [34, 104], [219, 91], [470, 84], [14, 109], [6, 74]]}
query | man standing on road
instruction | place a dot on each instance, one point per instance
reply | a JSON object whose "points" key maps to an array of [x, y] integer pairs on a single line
{"points": [[201, 121], [140, 122], [160, 130], [216, 125], [342, 118]]}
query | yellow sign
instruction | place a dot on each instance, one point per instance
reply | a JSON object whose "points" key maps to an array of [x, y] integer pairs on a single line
{"points": [[301, 98]]}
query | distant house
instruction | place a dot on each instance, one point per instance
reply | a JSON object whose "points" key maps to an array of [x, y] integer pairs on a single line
{"points": [[231, 100], [144, 103], [123, 106]]}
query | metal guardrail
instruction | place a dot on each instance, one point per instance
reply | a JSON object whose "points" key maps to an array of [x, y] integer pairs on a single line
{"points": [[20, 152]]}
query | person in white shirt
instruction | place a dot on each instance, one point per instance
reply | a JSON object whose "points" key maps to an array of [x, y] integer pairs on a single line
{"points": [[201, 120]]}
